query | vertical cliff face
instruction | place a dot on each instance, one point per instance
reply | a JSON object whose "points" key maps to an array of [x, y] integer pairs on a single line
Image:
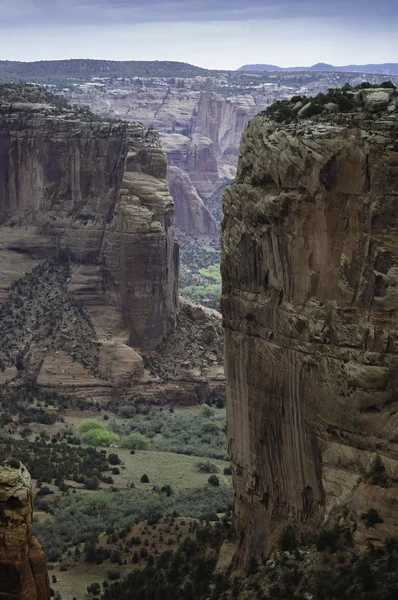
{"points": [[23, 571], [310, 306], [92, 194]]}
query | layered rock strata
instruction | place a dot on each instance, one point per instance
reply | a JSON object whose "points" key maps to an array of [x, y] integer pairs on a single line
{"points": [[191, 214], [310, 307], [23, 571], [91, 195]]}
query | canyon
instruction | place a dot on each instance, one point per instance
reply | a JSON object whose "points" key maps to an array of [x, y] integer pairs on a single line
{"points": [[201, 121], [90, 263], [90, 302], [309, 303]]}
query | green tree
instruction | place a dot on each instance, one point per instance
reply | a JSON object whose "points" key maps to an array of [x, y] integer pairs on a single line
{"points": [[100, 437], [135, 441], [89, 424]]}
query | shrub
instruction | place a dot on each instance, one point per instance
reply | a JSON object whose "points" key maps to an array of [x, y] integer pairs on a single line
{"points": [[135, 441], [327, 539], [113, 575], [14, 463], [114, 459], [167, 489], [94, 588], [377, 473], [213, 480], [227, 471], [144, 478], [252, 566], [100, 437], [210, 427], [91, 483], [287, 541], [89, 424], [206, 410], [207, 467], [372, 517], [44, 491]]}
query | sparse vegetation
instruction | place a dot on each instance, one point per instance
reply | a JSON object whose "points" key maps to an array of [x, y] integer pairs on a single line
{"points": [[343, 98], [377, 473]]}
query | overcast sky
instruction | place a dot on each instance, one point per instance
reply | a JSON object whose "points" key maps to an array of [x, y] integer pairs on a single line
{"points": [[209, 33]]}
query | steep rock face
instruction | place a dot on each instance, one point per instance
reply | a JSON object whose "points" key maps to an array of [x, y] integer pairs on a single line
{"points": [[191, 215], [94, 196], [310, 307], [23, 571], [196, 157], [201, 130]]}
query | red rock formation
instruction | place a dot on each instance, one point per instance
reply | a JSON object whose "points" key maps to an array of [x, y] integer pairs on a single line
{"points": [[191, 215], [94, 192], [23, 571], [310, 306]]}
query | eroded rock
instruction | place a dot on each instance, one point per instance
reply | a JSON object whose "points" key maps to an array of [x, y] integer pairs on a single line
{"points": [[92, 196], [23, 571], [310, 311]]}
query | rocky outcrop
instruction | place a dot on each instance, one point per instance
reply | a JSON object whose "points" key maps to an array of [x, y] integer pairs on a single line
{"points": [[89, 200], [196, 156], [23, 571], [201, 129], [310, 307], [191, 215]]}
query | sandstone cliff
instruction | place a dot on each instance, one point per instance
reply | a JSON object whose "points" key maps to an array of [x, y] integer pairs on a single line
{"points": [[191, 215], [23, 572], [310, 307], [201, 131], [86, 216]]}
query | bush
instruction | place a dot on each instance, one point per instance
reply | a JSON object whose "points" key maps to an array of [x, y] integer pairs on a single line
{"points": [[135, 441], [372, 517], [377, 473], [327, 539], [227, 471], [210, 427], [94, 589], [206, 410], [89, 424], [287, 540], [113, 575], [144, 478], [91, 483], [100, 437], [167, 489], [114, 459], [207, 467], [213, 480]]}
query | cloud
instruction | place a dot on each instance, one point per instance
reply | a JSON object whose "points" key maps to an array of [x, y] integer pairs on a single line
{"points": [[24, 12], [209, 33], [215, 45]]}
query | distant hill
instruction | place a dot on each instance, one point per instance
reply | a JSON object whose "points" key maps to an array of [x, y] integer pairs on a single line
{"points": [[84, 69], [385, 68]]}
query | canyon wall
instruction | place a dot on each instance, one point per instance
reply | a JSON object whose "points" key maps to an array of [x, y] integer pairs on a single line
{"points": [[23, 571], [310, 309], [87, 219], [201, 132]]}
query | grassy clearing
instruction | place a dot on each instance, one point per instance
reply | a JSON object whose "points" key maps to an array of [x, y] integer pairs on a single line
{"points": [[165, 468]]}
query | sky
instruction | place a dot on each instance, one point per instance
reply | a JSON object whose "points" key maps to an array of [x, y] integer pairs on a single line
{"points": [[216, 34]]}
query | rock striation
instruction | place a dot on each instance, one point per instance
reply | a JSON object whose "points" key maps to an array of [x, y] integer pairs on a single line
{"points": [[191, 214], [86, 203], [23, 571], [310, 310]]}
